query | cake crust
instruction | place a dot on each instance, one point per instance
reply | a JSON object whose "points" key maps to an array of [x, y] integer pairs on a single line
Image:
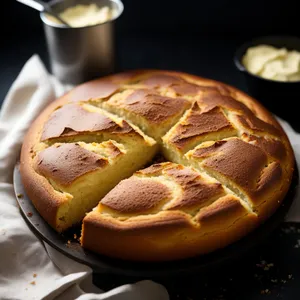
{"points": [[229, 164]]}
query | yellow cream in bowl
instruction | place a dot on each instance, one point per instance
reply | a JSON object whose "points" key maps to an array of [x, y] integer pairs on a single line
{"points": [[273, 63], [84, 15]]}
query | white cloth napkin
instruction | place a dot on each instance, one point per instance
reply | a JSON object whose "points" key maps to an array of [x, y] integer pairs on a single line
{"points": [[294, 137], [30, 269]]}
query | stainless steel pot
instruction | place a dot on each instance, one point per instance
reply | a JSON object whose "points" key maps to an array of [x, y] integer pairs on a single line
{"points": [[80, 54]]}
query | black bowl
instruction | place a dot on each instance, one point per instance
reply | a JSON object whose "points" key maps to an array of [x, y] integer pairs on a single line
{"points": [[279, 97]]}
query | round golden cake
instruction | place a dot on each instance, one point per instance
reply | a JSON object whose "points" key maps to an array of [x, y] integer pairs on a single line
{"points": [[89, 157]]}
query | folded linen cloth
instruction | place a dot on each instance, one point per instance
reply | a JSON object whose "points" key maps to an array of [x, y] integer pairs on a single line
{"points": [[294, 137], [30, 269]]}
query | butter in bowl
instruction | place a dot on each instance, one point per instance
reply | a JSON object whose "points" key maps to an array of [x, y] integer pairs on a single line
{"points": [[273, 63], [271, 67]]}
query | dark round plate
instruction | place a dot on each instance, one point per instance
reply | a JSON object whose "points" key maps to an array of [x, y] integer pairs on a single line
{"points": [[67, 243]]}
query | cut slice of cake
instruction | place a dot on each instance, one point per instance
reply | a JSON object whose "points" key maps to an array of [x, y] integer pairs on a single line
{"points": [[164, 212], [81, 174], [83, 152]]}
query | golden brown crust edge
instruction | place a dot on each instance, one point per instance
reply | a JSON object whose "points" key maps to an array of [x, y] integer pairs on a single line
{"points": [[155, 241], [39, 190]]}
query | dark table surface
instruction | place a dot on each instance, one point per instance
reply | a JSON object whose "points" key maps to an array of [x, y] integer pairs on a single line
{"points": [[270, 272]]}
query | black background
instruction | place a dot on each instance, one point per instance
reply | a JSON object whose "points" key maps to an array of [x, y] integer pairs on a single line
{"points": [[217, 17], [199, 37]]}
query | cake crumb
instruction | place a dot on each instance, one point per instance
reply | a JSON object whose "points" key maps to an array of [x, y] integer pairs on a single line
{"points": [[32, 282], [20, 196], [264, 265], [268, 266], [29, 214], [265, 292], [69, 242], [34, 275], [290, 276], [75, 236], [298, 244]]}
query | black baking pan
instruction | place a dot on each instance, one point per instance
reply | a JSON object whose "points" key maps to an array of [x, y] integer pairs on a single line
{"points": [[67, 243]]}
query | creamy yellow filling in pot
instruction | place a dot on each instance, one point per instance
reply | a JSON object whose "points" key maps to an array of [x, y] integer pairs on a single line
{"points": [[84, 15], [273, 63]]}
